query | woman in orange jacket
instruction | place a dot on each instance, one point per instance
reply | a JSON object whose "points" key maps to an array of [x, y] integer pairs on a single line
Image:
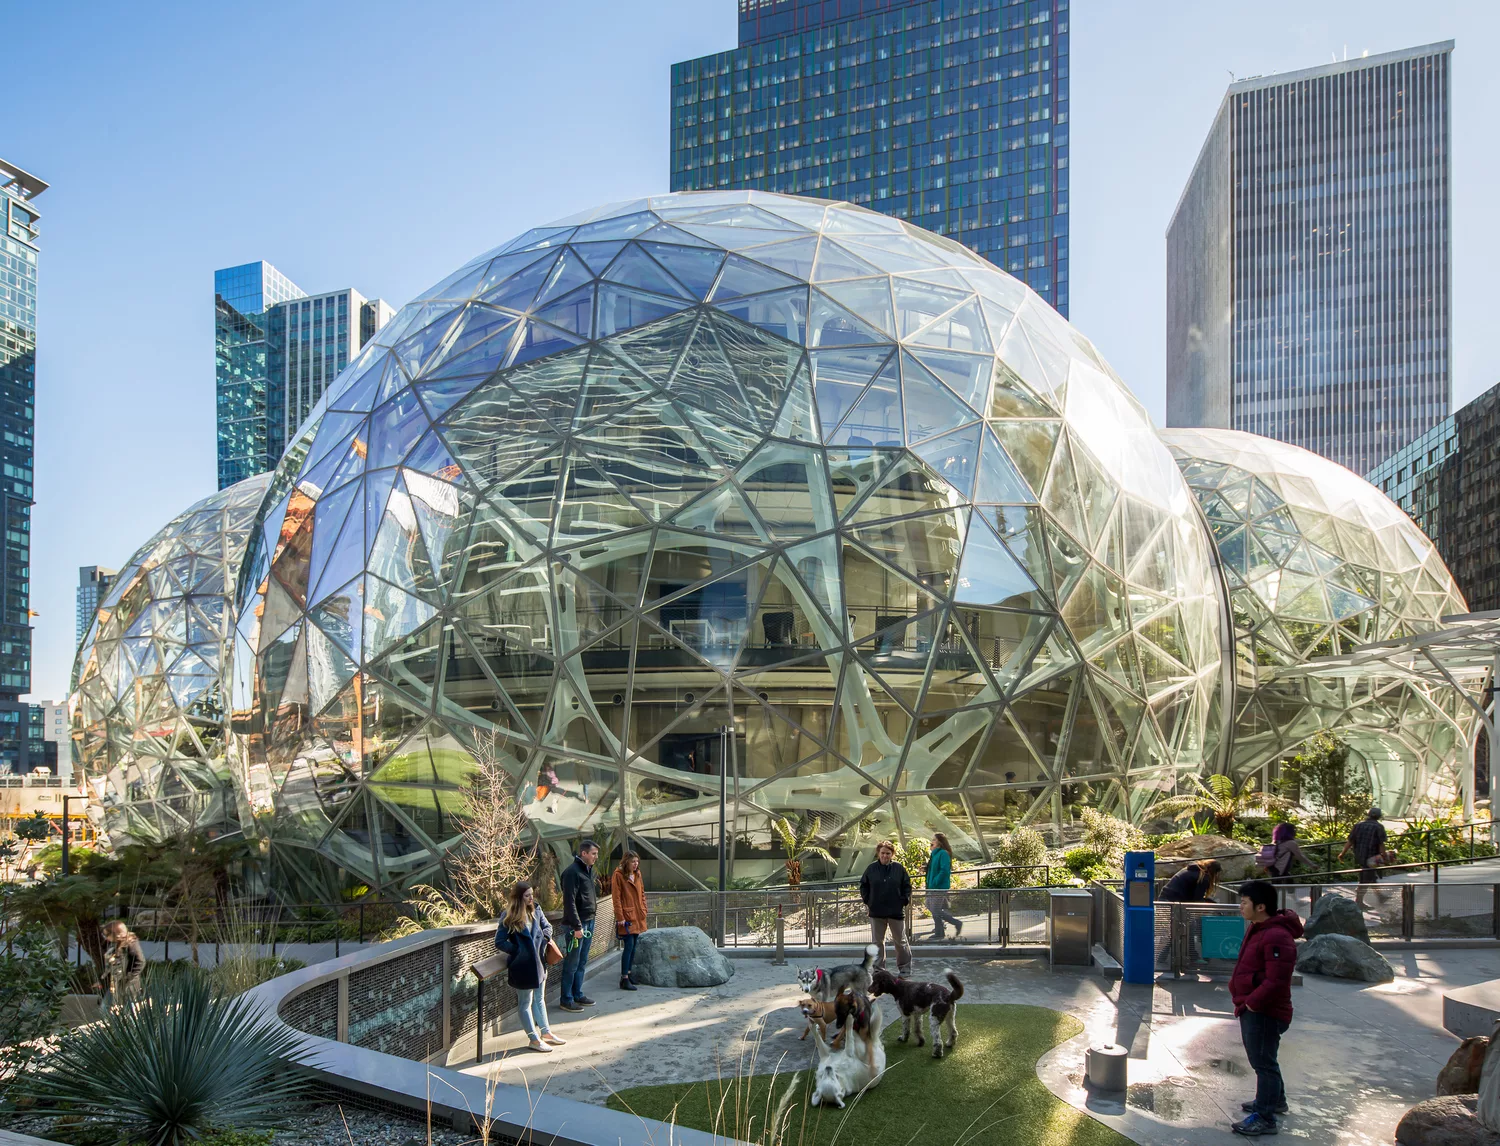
{"points": [[627, 890]]}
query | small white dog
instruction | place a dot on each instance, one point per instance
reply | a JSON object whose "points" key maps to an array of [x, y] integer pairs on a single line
{"points": [[843, 1073]]}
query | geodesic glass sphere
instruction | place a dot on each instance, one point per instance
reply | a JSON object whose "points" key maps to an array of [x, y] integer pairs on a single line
{"points": [[148, 710], [725, 461], [1318, 562]]}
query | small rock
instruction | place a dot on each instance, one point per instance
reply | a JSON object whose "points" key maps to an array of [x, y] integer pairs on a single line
{"points": [[1461, 1074], [679, 957], [1446, 1121], [1344, 957], [1335, 915]]}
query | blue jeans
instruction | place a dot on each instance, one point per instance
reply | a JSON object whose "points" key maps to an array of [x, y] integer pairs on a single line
{"points": [[532, 1007], [576, 962], [1261, 1035], [627, 953]]}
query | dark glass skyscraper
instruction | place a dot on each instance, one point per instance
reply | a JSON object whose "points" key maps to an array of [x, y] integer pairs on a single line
{"points": [[1308, 260], [950, 113], [18, 279]]}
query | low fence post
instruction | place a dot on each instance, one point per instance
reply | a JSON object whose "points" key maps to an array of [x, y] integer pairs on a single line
{"points": [[479, 1023], [1408, 911], [1175, 931], [1495, 909], [342, 1021], [779, 960]]}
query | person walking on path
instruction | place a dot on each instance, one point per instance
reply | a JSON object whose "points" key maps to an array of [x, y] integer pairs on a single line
{"points": [[124, 963], [580, 905], [886, 889], [1367, 842], [523, 934], [1261, 989], [939, 879], [627, 891], [1285, 851]]}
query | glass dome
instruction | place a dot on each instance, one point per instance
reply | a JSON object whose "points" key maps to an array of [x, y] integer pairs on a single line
{"points": [[147, 709], [1319, 561], [723, 461]]}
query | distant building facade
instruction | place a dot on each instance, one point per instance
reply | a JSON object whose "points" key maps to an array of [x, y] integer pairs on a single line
{"points": [[1448, 480], [1308, 260], [952, 114], [275, 349], [93, 583]]}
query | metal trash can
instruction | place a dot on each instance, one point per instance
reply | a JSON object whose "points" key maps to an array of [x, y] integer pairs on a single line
{"points": [[1106, 1067], [1070, 927]]}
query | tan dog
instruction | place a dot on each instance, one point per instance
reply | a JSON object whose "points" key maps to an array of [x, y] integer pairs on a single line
{"points": [[819, 1015]]}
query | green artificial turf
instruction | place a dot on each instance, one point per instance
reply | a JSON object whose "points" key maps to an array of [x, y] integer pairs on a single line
{"points": [[985, 1091]]}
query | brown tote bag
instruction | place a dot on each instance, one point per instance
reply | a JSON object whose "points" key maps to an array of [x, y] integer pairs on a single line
{"points": [[552, 955]]}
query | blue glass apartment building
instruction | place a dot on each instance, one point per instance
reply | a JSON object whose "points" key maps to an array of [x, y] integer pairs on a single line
{"points": [[20, 750], [276, 347], [1308, 260], [952, 114]]}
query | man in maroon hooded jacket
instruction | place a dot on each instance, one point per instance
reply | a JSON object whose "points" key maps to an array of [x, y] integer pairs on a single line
{"points": [[1261, 988]]}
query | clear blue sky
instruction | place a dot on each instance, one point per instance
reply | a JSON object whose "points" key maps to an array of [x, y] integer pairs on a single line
{"points": [[378, 145]]}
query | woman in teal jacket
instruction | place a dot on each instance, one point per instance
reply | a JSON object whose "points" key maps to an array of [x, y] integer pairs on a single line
{"points": [[939, 877]]}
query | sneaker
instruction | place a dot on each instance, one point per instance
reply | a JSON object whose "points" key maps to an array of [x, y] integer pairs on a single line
{"points": [[1249, 1108], [584, 1001], [1255, 1126], [570, 1006]]}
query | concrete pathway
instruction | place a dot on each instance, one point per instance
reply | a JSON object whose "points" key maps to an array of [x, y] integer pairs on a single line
{"points": [[1356, 1058]]}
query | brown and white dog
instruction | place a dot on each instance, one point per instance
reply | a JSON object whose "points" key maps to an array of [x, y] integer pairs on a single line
{"points": [[932, 1001], [818, 1015]]}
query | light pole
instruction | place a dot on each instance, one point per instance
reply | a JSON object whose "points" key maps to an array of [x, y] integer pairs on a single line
{"points": [[723, 913], [66, 833]]}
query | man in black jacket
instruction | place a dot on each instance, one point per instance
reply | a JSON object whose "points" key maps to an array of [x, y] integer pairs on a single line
{"points": [[886, 889], [580, 904]]}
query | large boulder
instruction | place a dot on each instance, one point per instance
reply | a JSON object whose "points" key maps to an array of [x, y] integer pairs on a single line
{"points": [[1460, 1075], [1236, 857], [1335, 915], [679, 957], [1343, 957], [1446, 1121]]}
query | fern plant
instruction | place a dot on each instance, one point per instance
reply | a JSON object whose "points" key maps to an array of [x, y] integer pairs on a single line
{"points": [[1222, 800], [797, 842]]}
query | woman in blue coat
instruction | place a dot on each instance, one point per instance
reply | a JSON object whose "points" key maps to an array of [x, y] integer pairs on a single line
{"points": [[523, 935]]}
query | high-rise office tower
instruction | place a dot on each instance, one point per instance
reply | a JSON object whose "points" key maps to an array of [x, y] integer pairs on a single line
{"points": [[275, 349], [950, 113], [93, 584], [18, 284], [1307, 261]]}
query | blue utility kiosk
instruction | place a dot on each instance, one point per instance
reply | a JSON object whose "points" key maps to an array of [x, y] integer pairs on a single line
{"points": [[1140, 918]]}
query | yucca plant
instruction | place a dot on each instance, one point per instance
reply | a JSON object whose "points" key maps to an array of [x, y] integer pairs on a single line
{"points": [[797, 841], [166, 1071], [1223, 800]]}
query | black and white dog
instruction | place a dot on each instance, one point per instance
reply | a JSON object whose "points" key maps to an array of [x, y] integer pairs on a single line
{"points": [[827, 984], [933, 1001]]}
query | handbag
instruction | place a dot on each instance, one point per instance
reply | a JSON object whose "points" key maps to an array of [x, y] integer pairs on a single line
{"points": [[552, 954]]}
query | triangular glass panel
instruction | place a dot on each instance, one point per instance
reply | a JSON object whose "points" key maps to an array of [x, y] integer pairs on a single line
{"points": [[875, 419], [967, 375], [618, 226], [634, 268], [829, 324], [868, 298], [573, 312], [840, 377], [999, 480], [520, 290], [918, 303], [989, 575], [622, 309], [792, 256], [478, 345], [960, 329], [931, 408], [390, 614], [537, 339], [696, 268], [394, 429], [598, 255], [589, 505], [666, 234], [783, 313], [742, 277], [340, 614], [430, 456], [440, 397], [906, 488], [329, 668], [329, 517], [834, 262], [796, 419], [954, 456], [568, 273]]}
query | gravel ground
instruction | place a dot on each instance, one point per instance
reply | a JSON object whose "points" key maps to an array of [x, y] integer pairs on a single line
{"points": [[321, 1125]]}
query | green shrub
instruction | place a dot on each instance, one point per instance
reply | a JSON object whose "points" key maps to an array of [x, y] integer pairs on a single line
{"points": [[184, 1062], [1022, 848], [33, 980]]}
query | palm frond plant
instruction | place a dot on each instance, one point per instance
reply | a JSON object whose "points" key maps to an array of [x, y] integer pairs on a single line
{"points": [[797, 840], [184, 1061], [1222, 800]]}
